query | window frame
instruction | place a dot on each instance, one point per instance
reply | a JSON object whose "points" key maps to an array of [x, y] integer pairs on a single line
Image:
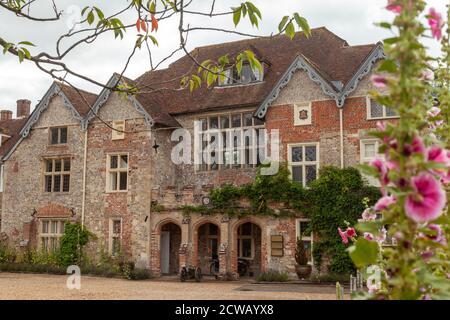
{"points": [[59, 143], [116, 135], [303, 163], [112, 236], [240, 243], [2, 172], [50, 235], [117, 170], [240, 149], [310, 238], [54, 173], [369, 113], [231, 76], [362, 149]]}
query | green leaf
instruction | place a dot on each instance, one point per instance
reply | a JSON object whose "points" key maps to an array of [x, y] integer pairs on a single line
{"points": [[388, 66], [237, 15], [26, 52], [391, 40], [155, 42], [27, 43], [302, 24], [21, 56], [254, 9], [385, 25], [283, 23], [364, 252], [290, 30], [7, 47], [90, 17]]}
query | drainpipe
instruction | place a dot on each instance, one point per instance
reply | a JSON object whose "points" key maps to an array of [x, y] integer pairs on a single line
{"points": [[149, 223], [83, 202], [341, 127]]}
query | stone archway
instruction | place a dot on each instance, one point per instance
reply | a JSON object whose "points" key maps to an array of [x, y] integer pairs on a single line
{"points": [[207, 246], [169, 247], [248, 249]]}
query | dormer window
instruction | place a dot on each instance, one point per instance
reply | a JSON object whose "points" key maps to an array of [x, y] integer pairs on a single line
{"points": [[247, 76]]}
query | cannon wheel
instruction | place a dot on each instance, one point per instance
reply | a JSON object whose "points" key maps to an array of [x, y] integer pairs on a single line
{"points": [[183, 274], [198, 274]]}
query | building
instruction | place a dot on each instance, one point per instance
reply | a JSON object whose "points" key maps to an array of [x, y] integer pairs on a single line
{"points": [[106, 160]]}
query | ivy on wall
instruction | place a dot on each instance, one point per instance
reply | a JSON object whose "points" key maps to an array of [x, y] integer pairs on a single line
{"points": [[331, 200]]}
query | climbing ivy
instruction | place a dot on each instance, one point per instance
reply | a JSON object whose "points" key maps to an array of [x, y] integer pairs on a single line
{"points": [[73, 240]]}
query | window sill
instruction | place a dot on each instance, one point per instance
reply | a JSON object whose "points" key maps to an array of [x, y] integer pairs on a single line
{"points": [[116, 191], [383, 118]]}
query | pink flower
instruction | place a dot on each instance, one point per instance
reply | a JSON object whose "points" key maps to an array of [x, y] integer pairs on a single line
{"points": [[436, 23], [394, 6], [427, 200], [381, 126], [343, 236], [350, 232], [382, 170], [437, 154], [379, 81], [384, 203], [439, 236], [427, 75], [382, 236], [369, 215], [434, 112], [368, 236], [418, 146]]}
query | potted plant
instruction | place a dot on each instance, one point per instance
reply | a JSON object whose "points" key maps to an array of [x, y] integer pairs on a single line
{"points": [[302, 268]]}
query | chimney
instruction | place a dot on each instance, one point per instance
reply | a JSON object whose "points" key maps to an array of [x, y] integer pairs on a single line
{"points": [[5, 115], [23, 108]]}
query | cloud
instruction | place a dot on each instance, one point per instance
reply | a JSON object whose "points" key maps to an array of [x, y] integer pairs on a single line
{"points": [[352, 20]]}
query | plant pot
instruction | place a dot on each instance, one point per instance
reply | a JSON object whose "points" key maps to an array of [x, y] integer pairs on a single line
{"points": [[303, 272]]}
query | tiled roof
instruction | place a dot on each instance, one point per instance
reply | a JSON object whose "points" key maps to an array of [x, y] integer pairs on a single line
{"points": [[80, 99], [11, 128], [333, 58]]}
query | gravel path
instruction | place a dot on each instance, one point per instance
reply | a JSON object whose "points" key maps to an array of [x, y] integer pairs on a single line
{"points": [[52, 287]]}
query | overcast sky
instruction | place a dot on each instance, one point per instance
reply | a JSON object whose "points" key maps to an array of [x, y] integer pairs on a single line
{"points": [[352, 20]]}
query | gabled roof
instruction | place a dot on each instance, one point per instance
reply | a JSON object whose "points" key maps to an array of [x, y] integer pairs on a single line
{"points": [[330, 57], [11, 128]]}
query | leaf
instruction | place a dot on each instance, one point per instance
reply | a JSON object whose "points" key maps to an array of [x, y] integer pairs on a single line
{"points": [[155, 42], [302, 24], [391, 40], [283, 23], [21, 56], [144, 25], [27, 43], [385, 25], [7, 47], [152, 7], [138, 25], [254, 9], [290, 30], [388, 66], [237, 15], [369, 226], [364, 252], [99, 12], [26, 52], [154, 23], [90, 17]]}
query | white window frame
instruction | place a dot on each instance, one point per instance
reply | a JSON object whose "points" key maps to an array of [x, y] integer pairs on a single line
{"points": [[2, 170], [362, 148], [50, 235], [204, 167], [116, 170], [304, 163], [112, 235], [118, 130], [246, 237], [369, 114], [229, 77], [304, 238]]}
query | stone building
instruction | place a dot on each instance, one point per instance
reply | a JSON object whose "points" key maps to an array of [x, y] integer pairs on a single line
{"points": [[106, 159]]}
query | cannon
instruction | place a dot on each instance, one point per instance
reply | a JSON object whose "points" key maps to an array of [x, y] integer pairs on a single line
{"points": [[190, 272]]}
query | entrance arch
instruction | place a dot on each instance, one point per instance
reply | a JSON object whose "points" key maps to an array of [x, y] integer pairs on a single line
{"points": [[170, 242], [208, 240], [248, 249]]}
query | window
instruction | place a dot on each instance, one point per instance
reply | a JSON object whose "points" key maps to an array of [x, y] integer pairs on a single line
{"points": [[229, 141], [302, 231], [50, 232], [2, 168], [117, 175], [118, 130], [58, 135], [376, 110], [304, 162], [368, 152], [246, 245], [57, 175], [115, 236], [247, 76]]}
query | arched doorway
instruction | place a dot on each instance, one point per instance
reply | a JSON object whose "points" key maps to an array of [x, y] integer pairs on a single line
{"points": [[208, 248], [248, 249], [170, 242]]}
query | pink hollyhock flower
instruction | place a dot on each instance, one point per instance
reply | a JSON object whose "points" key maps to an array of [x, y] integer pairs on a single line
{"points": [[434, 112], [368, 236], [427, 75], [343, 236], [382, 170], [350, 232], [437, 154], [382, 236], [427, 200], [436, 23], [369, 215], [394, 6], [439, 236], [381, 126], [384, 203], [418, 146], [392, 165], [379, 81]]}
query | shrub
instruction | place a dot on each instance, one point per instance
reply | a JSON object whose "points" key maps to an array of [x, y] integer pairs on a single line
{"points": [[7, 254], [300, 253], [72, 242], [273, 276]]}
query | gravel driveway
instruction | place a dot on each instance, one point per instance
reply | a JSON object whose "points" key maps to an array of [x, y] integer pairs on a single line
{"points": [[33, 286]]}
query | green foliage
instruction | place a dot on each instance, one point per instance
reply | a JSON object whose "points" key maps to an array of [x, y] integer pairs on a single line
{"points": [[334, 198], [72, 242], [364, 252], [7, 255], [300, 253], [273, 276]]}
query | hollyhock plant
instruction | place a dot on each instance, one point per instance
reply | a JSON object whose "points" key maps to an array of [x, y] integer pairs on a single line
{"points": [[433, 112], [427, 200], [343, 236], [436, 23], [384, 203], [394, 6], [379, 81]]}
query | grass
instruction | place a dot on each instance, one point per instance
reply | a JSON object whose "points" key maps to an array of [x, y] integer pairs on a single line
{"points": [[273, 276]]}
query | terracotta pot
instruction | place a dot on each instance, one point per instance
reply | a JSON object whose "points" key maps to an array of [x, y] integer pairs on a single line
{"points": [[303, 272]]}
